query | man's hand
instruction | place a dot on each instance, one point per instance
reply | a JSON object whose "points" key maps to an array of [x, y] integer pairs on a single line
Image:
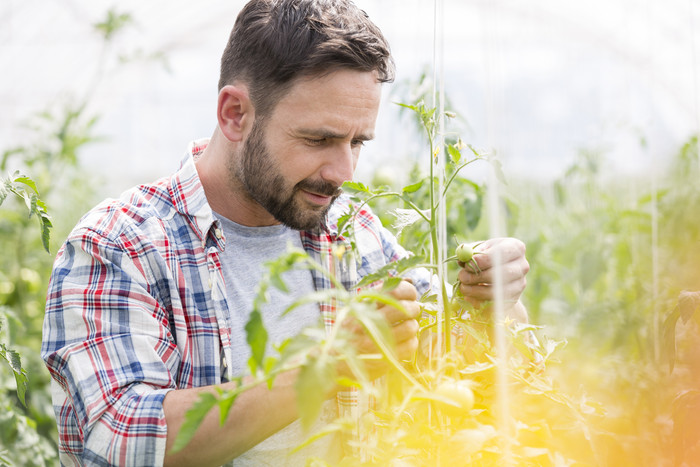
{"points": [[476, 284], [403, 325]]}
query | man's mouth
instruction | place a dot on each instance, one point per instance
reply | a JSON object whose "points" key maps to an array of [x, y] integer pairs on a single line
{"points": [[319, 199], [321, 194]]}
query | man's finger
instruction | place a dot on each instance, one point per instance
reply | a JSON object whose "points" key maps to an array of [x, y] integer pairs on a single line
{"points": [[406, 330], [410, 310], [405, 291], [512, 271], [510, 249], [484, 291]]}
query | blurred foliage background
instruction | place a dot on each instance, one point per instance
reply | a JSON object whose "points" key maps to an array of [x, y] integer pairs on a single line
{"points": [[614, 257]]}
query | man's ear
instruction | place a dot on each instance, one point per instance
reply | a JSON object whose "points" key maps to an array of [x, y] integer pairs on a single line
{"points": [[234, 111]]}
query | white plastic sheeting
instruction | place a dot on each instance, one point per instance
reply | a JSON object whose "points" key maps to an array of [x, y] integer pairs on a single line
{"points": [[595, 74]]}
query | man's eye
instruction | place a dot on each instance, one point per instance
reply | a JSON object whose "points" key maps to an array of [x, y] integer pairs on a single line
{"points": [[357, 143], [314, 141]]}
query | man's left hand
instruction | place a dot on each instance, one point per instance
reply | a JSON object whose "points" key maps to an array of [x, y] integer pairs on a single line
{"points": [[476, 284]]}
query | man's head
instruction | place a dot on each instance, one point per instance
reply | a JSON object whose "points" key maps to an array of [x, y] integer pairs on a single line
{"points": [[274, 42], [299, 93]]}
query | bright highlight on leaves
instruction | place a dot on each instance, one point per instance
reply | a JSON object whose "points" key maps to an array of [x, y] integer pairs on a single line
{"points": [[17, 185]]}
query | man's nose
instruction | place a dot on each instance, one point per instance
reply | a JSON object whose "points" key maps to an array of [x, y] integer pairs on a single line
{"points": [[340, 166]]}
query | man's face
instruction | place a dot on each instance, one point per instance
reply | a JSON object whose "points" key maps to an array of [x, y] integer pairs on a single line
{"points": [[294, 161], [265, 182]]}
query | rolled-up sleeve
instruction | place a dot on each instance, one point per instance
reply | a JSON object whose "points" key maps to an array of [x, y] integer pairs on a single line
{"points": [[108, 346]]}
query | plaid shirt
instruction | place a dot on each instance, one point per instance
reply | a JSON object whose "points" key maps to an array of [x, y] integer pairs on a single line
{"points": [[137, 307]]}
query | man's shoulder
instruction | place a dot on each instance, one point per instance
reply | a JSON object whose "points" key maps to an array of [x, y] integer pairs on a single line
{"points": [[131, 211]]}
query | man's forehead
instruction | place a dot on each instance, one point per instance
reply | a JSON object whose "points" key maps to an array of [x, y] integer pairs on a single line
{"points": [[338, 84]]}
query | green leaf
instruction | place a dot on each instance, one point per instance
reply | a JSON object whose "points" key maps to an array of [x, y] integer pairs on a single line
{"points": [[278, 282], [520, 343], [356, 187], [226, 401], [498, 170], [647, 198], [27, 181], [549, 347], [413, 187], [256, 336], [428, 297], [193, 419], [345, 221], [112, 24], [46, 232], [27, 199], [415, 108], [689, 304], [390, 284], [33, 207], [316, 378], [15, 362], [477, 367], [4, 190], [455, 154]]}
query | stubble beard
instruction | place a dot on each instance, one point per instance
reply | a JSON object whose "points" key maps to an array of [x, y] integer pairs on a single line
{"points": [[264, 182]]}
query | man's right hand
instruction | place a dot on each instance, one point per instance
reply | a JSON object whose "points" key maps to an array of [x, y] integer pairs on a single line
{"points": [[403, 325]]}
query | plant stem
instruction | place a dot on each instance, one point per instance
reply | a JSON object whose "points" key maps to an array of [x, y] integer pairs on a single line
{"points": [[457, 170], [447, 312]]}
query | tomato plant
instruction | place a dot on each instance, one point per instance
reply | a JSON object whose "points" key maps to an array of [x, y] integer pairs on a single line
{"points": [[443, 403]]}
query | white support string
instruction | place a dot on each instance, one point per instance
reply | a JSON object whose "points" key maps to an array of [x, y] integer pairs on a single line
{"points": [[437, 95], [496, 230], [438, 159], [442, 208], [651, 152]]}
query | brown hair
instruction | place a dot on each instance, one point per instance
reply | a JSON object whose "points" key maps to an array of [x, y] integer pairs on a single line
{"points": [[273, 42]]}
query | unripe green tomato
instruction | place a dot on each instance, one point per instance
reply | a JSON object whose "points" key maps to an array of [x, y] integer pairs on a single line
{"points": [[460, 393], [464, 253]]}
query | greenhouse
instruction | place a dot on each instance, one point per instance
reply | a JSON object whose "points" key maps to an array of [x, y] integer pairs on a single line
{"points": [[367, 232]]}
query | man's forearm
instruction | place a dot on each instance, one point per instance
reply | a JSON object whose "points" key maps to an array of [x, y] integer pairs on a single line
{"points": [[256, 414]]}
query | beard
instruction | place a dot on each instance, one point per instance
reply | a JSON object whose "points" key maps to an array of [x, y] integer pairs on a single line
{"points": [[265, 183]]}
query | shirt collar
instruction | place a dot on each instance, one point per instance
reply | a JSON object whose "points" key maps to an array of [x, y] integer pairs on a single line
{"points": [[187, 193]]}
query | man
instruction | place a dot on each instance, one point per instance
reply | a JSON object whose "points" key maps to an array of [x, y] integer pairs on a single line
{"points": [[151, 292]]}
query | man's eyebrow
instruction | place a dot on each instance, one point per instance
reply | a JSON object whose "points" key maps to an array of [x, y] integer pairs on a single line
{"points": [[330, 134]]}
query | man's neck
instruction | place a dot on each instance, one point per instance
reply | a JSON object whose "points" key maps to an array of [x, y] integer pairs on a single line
{"points": [[224, 193]]}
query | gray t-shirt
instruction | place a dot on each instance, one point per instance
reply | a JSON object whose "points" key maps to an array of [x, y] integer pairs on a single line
{"points": [[247, 250]]}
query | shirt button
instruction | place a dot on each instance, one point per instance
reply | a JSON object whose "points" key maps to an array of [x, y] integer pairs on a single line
{"points": [[218, 233], [210, 283]]}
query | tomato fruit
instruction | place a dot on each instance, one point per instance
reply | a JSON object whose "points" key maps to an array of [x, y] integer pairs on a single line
{"points": [[459, 393], [464, 253]]}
